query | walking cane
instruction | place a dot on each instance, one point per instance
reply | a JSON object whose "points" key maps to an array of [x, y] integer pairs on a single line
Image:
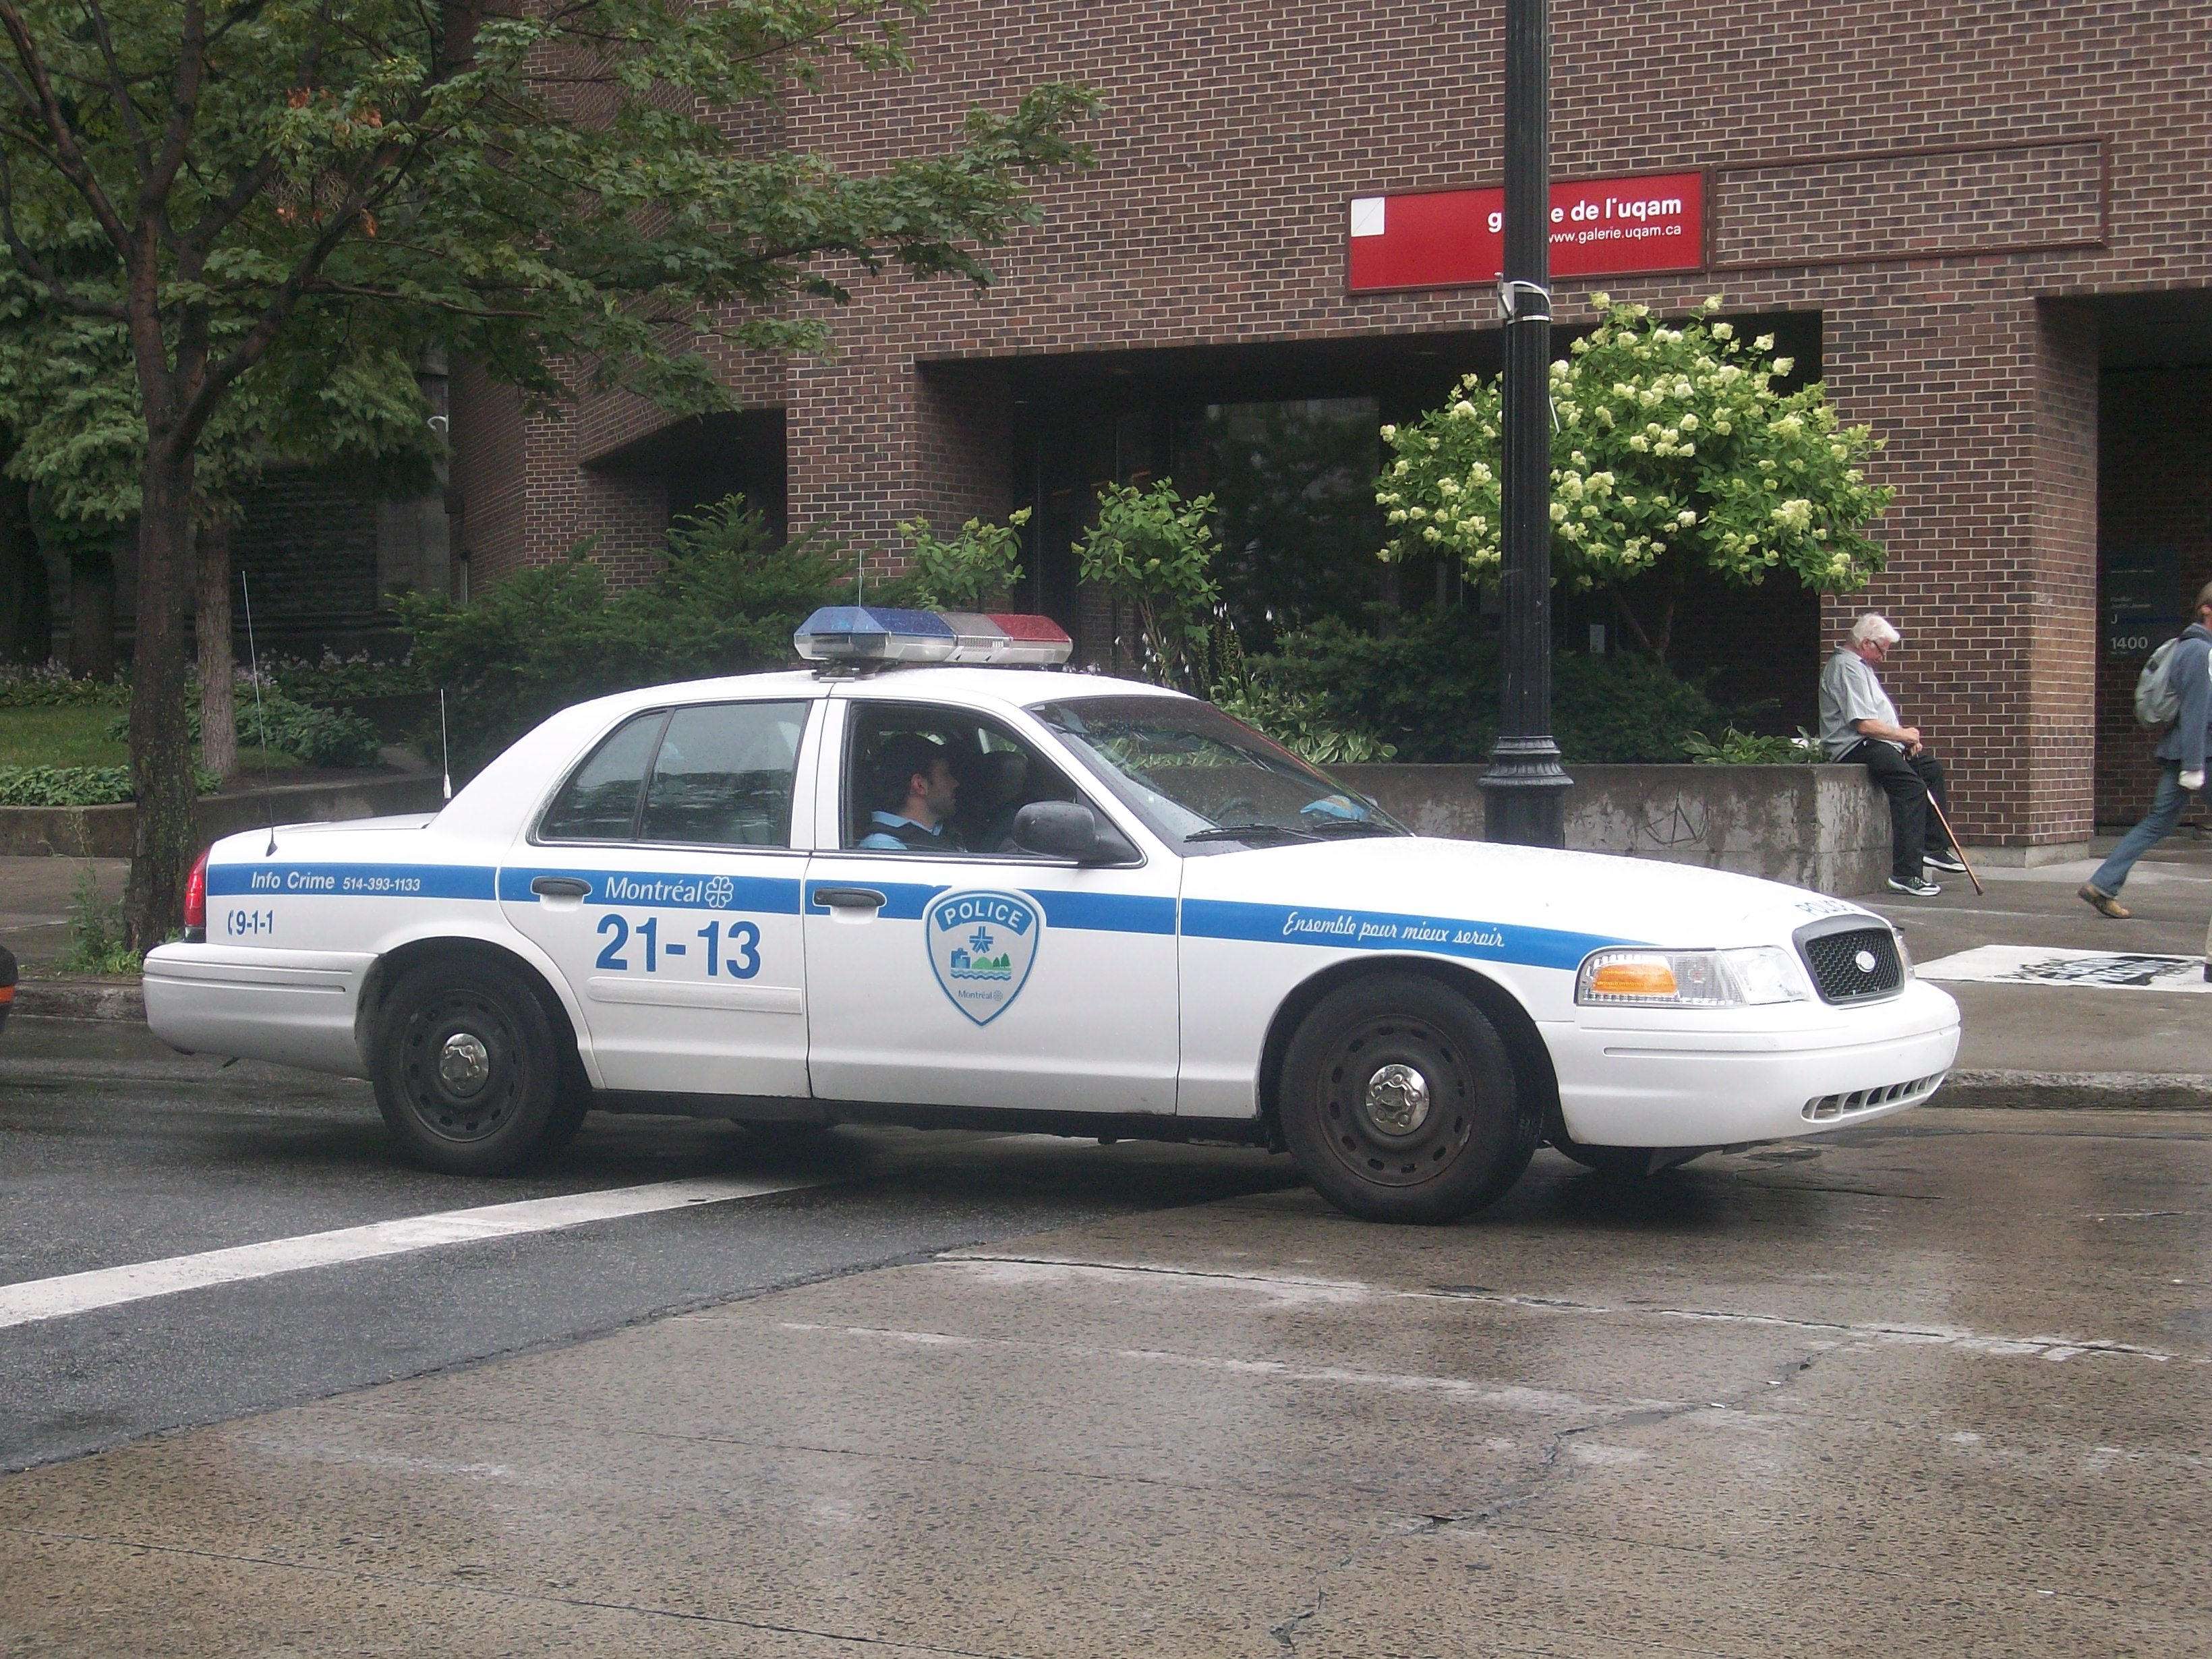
{"points": [[1960, 850]]}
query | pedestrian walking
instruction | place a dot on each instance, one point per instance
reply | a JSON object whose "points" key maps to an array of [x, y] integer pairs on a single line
{"points": [[2180, 760], [1859, 724]]}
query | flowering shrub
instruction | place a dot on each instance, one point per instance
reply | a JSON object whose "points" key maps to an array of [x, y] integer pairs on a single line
{"points": [[50, 686], [1670, 448]]}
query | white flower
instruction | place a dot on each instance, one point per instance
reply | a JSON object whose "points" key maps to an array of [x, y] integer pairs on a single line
{"points": [[1685, 518], [1784, 365], [1764, 343], [1723, 330], [1389, 433]]}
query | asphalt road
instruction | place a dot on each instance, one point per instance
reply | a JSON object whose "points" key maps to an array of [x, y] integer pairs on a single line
{"points": [[114, 1151]]}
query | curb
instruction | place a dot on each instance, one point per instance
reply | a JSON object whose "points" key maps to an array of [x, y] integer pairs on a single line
{"points": [[46, 999], [2077, 1091]]}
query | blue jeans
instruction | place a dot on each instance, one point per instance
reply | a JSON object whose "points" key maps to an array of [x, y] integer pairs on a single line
{"points": [[2165, 810]]}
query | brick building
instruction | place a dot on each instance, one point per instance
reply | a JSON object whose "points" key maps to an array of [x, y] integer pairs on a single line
{"points": [[1987, 226]]}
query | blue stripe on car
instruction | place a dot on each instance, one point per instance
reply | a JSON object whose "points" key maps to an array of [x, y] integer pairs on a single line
{"points": [[665, 889], [1385, 930], [1093, 913], [446, 881]]}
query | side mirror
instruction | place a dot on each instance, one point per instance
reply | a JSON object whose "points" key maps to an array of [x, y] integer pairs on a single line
{"points": [[1068, 829]]}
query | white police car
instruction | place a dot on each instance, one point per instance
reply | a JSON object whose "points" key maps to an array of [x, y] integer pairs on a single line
{"points": [[1125, 914]]}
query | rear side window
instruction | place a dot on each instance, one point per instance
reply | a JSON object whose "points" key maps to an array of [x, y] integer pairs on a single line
{"points": [[724, 775], [599, 802]]}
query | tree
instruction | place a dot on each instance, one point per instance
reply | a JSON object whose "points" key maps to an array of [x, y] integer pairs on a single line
{"points": [[352, 404], [1153, 551], [554, 192], [1671, 449]]}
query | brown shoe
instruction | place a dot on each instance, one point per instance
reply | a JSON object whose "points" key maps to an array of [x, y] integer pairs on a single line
{"points": [[2103, 903]]}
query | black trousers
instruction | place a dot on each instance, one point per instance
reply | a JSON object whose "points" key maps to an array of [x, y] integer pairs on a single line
{"points": [[1909, 780]]}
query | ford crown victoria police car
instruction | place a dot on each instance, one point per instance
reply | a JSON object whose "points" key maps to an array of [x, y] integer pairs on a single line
{"points": [[1141, 918]]}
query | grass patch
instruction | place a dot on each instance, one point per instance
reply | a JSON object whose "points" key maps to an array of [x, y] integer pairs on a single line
{"points": [[79, 736]]}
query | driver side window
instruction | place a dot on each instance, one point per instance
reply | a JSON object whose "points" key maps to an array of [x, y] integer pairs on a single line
{"points": [[924, 779]]}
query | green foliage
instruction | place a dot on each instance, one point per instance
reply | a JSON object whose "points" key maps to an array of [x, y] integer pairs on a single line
{"points": [[333, 679], [971, 572], [1670, 448], [1430, 691], [277, 724], [1298, 719], [52, 687], [1154, 552], [726, 602], [1297, 520], [99, 942], [1736, 748], [64, 786]]}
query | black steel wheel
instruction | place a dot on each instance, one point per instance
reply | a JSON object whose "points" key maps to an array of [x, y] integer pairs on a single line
{"points": [[1400, 1102], [469, 1068]]}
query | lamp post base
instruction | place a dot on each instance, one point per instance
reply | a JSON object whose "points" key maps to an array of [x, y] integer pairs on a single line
{"points": [[1525, 793]]}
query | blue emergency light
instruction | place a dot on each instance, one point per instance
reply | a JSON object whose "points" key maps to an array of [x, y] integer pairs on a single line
{"points": [[871, 635]]}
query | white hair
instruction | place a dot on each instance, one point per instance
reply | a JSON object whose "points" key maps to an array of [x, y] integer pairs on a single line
{"points": [[1874, 627]]}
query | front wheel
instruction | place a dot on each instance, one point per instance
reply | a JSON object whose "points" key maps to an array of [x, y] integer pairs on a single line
{"points": [[1401, 1103], [468, 1069]]}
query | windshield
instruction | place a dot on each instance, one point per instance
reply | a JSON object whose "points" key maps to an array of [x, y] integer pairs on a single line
{"points": [[1206, 782]]}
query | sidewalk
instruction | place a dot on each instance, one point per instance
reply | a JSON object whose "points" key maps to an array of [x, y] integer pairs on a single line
{"points": [[2075, 1045]]}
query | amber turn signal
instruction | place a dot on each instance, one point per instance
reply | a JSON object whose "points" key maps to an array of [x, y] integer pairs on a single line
{"points": [[1648, 978]]}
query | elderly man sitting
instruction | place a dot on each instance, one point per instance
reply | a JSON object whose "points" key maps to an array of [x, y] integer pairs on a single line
{"points": [[1858, 723]]}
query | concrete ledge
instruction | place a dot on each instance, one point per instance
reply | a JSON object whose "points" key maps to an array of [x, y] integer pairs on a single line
{"points": [[2028, 858], [105, 832], [81, 999], [1822, 827], [2078, 1092]]}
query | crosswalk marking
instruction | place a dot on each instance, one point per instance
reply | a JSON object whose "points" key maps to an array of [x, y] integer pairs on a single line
{"points": [[107, 1287]]}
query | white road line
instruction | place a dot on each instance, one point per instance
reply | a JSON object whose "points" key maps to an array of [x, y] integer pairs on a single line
{"points": [[107, 1287]]}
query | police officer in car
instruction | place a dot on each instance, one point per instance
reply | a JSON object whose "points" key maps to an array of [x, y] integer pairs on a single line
{"points": [[915, 793]]}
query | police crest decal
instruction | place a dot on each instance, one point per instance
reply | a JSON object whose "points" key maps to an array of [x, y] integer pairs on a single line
{"points": [[981, 946]]}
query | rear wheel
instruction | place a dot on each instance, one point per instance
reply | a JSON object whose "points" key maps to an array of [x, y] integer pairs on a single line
{"points": [[1400, 1103], [471, 1073]]}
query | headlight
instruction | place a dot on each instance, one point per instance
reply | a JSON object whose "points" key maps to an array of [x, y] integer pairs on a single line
{"points": [[1690, 979]]}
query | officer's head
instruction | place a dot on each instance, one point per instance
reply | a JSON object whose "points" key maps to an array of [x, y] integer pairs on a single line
{"points": [[914, 778], [2204, 605]]}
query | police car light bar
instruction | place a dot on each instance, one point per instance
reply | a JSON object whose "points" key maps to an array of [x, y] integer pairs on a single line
{"points": [[869, 634]]}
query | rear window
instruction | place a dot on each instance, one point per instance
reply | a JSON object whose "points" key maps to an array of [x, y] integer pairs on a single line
{"points": [[714, 774]]}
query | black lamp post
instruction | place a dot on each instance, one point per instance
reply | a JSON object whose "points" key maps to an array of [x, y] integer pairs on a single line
{"points": [[1524, 787]]}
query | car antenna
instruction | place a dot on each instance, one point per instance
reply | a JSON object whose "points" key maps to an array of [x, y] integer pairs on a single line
{"points": [[445, 748], [253, 662]]}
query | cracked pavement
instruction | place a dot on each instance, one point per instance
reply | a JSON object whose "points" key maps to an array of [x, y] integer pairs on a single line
{"points": [[1942, 1385]]}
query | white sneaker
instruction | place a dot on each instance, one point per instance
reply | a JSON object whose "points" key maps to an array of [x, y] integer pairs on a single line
{"points": [[1918, 887]]}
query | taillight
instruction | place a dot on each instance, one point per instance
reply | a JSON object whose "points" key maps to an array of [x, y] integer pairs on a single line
{"points": [[195, 902]]}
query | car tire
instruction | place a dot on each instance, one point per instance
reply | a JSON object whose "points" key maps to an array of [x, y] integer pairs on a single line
{"points": [[470, 1069], [1401, 1103]]}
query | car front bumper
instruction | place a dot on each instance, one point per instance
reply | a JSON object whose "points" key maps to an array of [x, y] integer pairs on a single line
{"points": [[294, 1007], [1773, 1075]]}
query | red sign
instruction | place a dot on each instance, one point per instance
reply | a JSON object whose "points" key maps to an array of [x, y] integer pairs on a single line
{"points": [[1454, 238]]}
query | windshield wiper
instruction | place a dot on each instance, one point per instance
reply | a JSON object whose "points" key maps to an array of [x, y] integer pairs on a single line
{"points": [[1251, 832], [1322, 826]]}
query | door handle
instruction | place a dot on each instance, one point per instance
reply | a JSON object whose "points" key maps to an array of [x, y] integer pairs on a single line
{"points": [[559, 887], [849, 898]]}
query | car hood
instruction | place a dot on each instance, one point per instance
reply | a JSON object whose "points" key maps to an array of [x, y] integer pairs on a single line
{"points": [[1596, 897]]}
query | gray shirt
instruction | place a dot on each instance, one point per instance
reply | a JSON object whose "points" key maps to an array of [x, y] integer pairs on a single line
{"points": [[1850, 691]]}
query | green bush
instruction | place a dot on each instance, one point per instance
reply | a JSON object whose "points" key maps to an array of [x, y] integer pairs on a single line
{"points": [[78, 786], [50, 687], [727, 601], [64, 786], [312, 737], [1430, 691], [1735, 748], [334, 678]]}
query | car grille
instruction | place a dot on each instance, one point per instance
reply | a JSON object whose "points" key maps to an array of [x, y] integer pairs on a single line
{"points": [[1826, 1108], [1852, 964]]}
